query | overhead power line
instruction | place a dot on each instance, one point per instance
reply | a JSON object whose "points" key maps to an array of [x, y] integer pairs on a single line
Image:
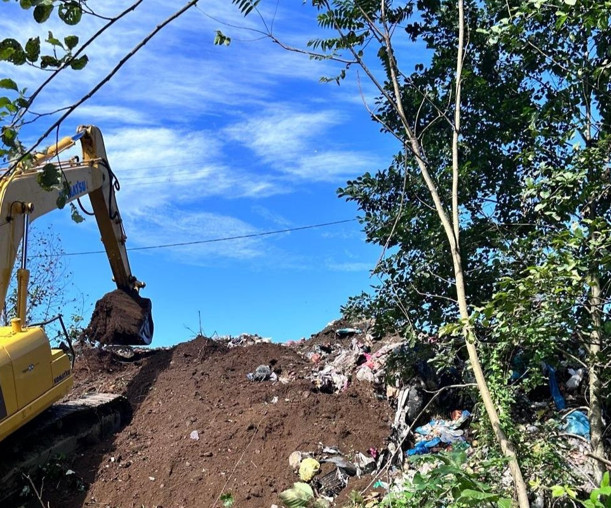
{"points": [[212, 240]]}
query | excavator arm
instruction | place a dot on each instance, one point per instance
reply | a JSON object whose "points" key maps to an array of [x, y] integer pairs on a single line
{"points": [[32, 374], [23, 199]]}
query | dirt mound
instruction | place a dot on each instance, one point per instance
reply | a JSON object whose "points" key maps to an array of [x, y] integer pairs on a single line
{"points": [[121, 317], [201, 429]]}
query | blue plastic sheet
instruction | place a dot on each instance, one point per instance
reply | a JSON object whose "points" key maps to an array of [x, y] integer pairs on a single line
{"points": [[554, 389], [577, 423], [423, 447]]}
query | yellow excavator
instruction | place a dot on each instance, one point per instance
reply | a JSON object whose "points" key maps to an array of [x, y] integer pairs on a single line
{"points": [[33, 375]]}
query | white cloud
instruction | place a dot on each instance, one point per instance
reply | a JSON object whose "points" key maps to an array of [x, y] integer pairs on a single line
{"points": [[300, 144], [97, 114], [349, 266], [171, 225], [271, 216], [161, 165]]}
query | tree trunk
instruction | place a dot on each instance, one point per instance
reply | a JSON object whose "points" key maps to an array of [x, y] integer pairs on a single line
{"points": [[595, 386], [506, 445]]}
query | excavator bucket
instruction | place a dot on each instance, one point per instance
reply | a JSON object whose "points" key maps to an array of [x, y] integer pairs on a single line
{"points": [[121, 318]]}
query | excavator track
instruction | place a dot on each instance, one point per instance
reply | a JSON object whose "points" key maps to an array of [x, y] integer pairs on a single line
{"points": [[63, 429]]}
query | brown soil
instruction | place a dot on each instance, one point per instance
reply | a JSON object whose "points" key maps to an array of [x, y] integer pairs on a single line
{"points": [[120, 317], [246, 429]]}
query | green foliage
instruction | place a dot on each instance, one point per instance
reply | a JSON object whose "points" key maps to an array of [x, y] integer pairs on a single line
{"points": [[534, 186], [49, 177], [8, 84], [42, 12], [417, 274], [50, 54], [220, 39], [245, 6], [599, 497], [70, 12], [452, 482], [227, 499]]}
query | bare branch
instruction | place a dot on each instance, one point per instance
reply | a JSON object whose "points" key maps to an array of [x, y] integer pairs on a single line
{"points": [[105, 80]]}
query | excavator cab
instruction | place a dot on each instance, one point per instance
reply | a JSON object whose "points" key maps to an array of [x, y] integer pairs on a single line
{"points": [[32, 375]]}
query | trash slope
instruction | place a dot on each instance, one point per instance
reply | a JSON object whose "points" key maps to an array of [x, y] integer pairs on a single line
{"points": [[201, 429]]}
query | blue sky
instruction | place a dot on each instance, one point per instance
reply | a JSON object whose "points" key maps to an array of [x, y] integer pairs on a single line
{"points": [[212, 142]]}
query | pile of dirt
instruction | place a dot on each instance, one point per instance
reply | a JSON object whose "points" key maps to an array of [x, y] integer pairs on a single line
{"points": [[121, 317], [203, 431]]}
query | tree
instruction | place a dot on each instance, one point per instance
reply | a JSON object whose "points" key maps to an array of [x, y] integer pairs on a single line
{"points": [[49, 290], [561, 294]]}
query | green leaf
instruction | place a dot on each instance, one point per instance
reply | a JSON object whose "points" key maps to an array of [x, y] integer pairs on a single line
{"points": [[570, 2], [9, 137], [472, 497], [32, 49], [42, 12], [70, 13], [558, 491], [49, 61], [53, 41], [570, 492], [12, 51], [221, 39], [79, 63], [25, 4], [48, 178], [78, 218], [71, 41], [246, 6], [9, 84]]}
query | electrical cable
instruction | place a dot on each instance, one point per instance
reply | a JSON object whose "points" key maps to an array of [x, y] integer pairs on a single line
{"points": [[212, 240]]}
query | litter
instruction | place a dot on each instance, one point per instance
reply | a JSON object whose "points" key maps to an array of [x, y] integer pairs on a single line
{"points": [[381, 485], [575, 379], [308, 469], [262, 373], [365, 464], [440, 432], [577, 423], [423, 447], [347, 332], [365, 374], [295, 459], [299, 495], [344, 465], [331, 484], [244, 339]]}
